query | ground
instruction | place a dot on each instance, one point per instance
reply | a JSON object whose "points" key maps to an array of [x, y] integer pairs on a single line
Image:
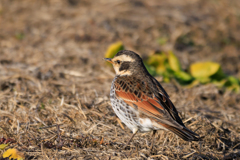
{"points": [[54, 98]]}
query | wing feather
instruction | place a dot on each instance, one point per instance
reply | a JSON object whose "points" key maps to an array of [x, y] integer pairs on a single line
{"points": [[154, 103], [149, 102]]}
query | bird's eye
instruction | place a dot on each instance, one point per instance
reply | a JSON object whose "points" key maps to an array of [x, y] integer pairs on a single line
{"points": [[118, 62]]}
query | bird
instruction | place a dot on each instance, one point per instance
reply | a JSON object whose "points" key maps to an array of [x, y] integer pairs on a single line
{"points": [[140, 101]]}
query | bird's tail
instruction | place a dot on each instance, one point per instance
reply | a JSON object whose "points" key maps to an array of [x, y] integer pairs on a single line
{"points": [[184, 133]]}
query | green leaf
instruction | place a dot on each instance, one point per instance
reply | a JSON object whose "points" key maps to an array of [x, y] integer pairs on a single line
{"points": [[233, 84], [158, 61], [232, 81], [235, 88], [219, 83], [183, 76], [113, 49], [166, 76], [174, 62], [42, 106], [204, 69], [219, 75], [20, 36], [150, 69], [3, 146], [162, 40]]}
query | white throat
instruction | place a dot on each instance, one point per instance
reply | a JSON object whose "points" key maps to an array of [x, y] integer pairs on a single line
{"points": [[123, 72]]}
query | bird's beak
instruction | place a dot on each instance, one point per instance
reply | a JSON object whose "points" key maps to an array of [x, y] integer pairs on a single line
{"points": [[109, 60]]}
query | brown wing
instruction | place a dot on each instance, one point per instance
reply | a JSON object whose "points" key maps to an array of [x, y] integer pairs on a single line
{"points": [[166, 102], [149, 99]]}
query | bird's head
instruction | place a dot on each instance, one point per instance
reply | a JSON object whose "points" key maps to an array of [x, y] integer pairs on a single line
{"points": [[127, 63]]}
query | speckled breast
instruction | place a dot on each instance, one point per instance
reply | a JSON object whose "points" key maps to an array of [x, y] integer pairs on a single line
{"points": [[127, 114]]}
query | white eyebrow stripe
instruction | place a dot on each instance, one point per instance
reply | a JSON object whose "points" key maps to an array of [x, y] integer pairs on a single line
{"points": [[124, 58]]}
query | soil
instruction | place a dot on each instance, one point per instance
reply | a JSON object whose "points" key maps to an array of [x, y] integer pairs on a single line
{"points": [[54, 85]]}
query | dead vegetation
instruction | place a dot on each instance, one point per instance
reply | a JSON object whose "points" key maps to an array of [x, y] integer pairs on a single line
{"points": [[54, 99]]}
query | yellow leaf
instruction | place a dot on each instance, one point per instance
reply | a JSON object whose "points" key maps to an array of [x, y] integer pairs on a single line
{"points": [[156, 60], [219, 83], [3, 146], [194, 83], [204, 69], [204, 80], [174, 62], [166, 79], [235, 88], [160, 69], [13, 154], [113, 49]]}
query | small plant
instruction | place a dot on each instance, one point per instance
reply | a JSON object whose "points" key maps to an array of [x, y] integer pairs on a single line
{"points": [[168, 66]]}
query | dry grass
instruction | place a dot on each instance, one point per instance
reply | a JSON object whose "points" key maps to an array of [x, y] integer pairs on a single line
{"points": [[54, 97]]}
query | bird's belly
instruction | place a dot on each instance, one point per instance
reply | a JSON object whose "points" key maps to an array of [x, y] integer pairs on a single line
{"points": [[125, 113], [129, 115], [148, 125]]}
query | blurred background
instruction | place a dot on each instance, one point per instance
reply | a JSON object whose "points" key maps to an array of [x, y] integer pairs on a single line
{"points": [[196, 30], [50, 49]]}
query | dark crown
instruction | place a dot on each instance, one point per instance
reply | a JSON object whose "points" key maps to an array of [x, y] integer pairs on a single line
{"points": [[129, 53]]}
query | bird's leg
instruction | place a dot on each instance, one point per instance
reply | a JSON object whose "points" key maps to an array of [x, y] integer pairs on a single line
{"points": [[134, 133], [153, 135]]}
